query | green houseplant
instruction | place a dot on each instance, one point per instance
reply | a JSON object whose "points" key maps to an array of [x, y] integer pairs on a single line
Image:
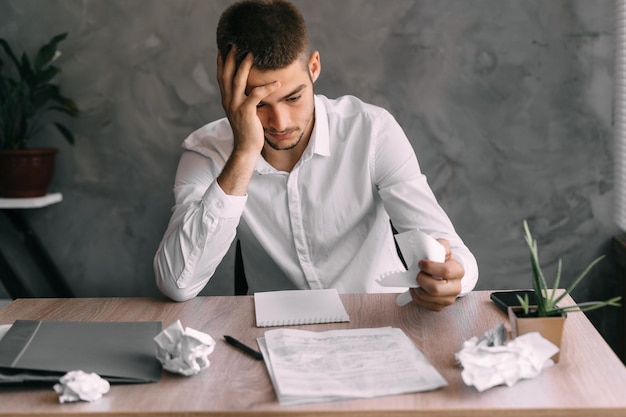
{"points": [[548, 298], [547, 317], [28, 95]]}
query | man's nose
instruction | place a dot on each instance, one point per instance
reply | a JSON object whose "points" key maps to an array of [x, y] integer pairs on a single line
{"points": [[278, 119]]}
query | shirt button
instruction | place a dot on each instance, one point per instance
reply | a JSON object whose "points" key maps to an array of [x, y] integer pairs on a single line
{"points": [[219, 204]]}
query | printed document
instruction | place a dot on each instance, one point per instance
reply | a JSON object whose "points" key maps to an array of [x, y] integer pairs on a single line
{"points": [[308, 366]]}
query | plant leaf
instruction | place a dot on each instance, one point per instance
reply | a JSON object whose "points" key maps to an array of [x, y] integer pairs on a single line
{"points": [[547, 302], [46, 75], [557, 281], [584, 273], [591, 305], [30, 94], [27, 71], [46, 52], [7, 48], [67, 134], [539, 281], [67, 104], [524, 302]]}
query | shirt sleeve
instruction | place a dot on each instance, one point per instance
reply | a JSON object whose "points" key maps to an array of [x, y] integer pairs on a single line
{"points": [[407, 197], [201, 229]]}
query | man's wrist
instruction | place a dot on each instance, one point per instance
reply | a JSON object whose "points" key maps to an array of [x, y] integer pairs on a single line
{"points": [[236, 175]]}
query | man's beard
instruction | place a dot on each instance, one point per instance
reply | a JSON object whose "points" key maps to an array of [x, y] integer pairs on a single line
{"points": [[293, 145], [286, 148]]}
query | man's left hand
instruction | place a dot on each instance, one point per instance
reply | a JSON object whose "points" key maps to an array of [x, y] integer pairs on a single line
{"points": [[439, 282]]}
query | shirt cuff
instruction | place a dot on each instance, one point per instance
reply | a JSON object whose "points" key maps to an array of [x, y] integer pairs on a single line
{"points": [[221, 205]]}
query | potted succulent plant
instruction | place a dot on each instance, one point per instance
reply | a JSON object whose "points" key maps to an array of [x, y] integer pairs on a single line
{"points": [[547, 317], [27, 95]]}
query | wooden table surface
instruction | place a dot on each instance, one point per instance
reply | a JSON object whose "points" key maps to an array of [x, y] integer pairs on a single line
{"points": [[589, 380]]}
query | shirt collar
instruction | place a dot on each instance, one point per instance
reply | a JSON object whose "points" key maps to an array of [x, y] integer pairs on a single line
{"points": [[320, 138]]}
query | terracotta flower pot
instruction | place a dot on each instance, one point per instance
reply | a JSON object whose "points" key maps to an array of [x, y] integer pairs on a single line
{"points": [[551, 328], [26, 172]]}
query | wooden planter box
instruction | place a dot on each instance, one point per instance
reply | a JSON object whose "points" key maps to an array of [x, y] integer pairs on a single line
{"points": [[550, 328]]}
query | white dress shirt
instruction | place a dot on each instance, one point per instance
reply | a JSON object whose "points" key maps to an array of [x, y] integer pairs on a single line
{"points": [[325, 224]]}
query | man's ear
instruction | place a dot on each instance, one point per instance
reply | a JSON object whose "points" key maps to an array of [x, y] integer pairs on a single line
{"points": [[315, 65]]}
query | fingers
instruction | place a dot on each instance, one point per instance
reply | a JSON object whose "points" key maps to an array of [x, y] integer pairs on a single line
{"points": [[226, 73], [438, 287], [240, 83], [257, 94], [449, 269], [240, 77], [221, 78], [439, 282], [435, 293], [233, 82]]}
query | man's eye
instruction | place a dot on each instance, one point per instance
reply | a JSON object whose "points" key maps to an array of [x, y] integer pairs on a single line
{"points": [[293, 99], [258, 106]]}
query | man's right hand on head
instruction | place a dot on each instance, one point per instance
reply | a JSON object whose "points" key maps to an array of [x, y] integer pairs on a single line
{"points": [[241, 107], [241, 110]]}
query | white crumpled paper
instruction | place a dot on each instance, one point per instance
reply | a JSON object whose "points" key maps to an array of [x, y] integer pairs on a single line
{"points": [[78, 385], [488, 361], [183, 351], [415, 245]]}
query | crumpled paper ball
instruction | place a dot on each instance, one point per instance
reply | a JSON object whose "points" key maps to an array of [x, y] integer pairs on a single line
{"points": [[78, 385], [488, 361], [184, 351]]}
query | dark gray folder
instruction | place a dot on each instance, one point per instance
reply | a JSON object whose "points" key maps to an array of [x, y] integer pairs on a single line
{"points": [[40, 350]]}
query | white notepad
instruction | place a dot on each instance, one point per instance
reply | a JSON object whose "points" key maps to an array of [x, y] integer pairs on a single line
{"points": [[292, 307]]}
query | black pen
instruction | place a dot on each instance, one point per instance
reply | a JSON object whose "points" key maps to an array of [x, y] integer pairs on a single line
{"points": [[247, 349]]}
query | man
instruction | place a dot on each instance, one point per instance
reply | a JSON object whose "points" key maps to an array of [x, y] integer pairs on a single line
{"points": [[307, 184]]}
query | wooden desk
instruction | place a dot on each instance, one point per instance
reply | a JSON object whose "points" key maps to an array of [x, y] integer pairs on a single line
{"points": [[589, 380]]}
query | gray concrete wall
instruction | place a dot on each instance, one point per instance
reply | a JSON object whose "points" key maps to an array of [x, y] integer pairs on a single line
{"points": [[508, 104]]}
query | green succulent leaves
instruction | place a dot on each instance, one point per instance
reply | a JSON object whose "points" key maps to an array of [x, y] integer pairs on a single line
{"points": [[548, 298]]}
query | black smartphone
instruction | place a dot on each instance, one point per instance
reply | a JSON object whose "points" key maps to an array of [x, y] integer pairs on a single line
{"points": [[505, 299]]}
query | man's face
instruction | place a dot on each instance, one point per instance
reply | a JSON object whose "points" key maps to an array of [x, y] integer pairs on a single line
{"points": [[287, 113]]}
